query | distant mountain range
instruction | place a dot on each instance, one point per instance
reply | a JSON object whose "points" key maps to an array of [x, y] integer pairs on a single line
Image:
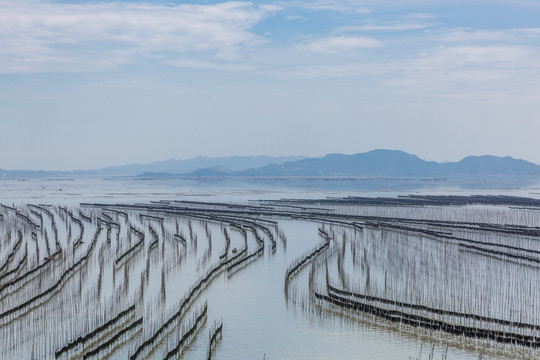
{"points": [[375, 163], [380, 163], [396, 163], [229, 164]]}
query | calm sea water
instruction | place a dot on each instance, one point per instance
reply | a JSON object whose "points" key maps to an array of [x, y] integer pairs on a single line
{"points": [[93, 189], [259, 323]]}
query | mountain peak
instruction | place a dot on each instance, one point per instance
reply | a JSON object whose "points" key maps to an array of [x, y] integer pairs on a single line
{"points": [[379, 162], [384, 162]]}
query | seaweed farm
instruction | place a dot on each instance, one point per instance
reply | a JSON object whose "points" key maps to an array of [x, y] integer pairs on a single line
{"points": [[407, 277]]}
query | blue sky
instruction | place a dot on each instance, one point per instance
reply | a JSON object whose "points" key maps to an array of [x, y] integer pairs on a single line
{"points": [[91, 84]]}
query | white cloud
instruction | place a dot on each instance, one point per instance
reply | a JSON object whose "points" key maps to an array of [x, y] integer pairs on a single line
{"points": [[532, 32], [294, 17], [386, 27], [333, 71], [462, 35], [482, 56], [38, 36], [420, 16], [208, 65], [338, 44], [484, 69], [329, 5], [449, 71], [503, 35], [119, 84]]}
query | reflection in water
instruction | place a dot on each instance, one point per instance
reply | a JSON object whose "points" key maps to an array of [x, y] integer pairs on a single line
{"points": [[310, 279]]}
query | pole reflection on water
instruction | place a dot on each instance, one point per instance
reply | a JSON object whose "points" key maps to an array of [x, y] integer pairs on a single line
{"points": [[311, 279]]}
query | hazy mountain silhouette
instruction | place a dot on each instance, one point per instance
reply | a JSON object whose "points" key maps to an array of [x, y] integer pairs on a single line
{"points": [[374, 163], [393, 163], [167, 167], [489, 164], [396, 163], [377, 162]]}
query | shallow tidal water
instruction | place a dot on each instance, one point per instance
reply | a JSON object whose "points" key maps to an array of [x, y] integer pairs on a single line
{"points": [[259, 322]]}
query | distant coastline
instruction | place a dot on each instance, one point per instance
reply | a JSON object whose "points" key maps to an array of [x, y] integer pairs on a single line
{"points": [[377, 163]]}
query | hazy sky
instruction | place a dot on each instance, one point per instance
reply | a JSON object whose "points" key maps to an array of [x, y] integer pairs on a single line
{"points": [[87, 84]]}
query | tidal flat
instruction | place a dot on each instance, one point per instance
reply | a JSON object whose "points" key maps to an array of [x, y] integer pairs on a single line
{"points": [[303, 269]]}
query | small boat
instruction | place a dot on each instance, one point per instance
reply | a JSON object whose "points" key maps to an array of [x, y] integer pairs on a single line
{"points": [[234, 251]]}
